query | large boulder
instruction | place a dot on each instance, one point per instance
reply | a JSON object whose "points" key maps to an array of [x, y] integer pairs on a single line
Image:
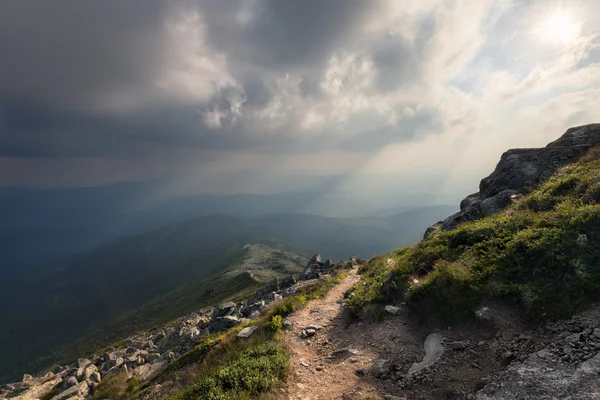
{"points": [[223, 323], [224, 309], [518, 171]]}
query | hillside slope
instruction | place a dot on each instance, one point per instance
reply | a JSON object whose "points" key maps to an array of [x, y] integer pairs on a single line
{"points": [[127, 287], [541, 253], [137, 282]]}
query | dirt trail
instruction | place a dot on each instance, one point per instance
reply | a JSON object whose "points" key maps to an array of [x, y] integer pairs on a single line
{"points": [[317, 371], [338, 361]]}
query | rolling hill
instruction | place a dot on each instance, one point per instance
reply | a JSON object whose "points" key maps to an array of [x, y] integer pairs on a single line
{"points": [[145, 280]]}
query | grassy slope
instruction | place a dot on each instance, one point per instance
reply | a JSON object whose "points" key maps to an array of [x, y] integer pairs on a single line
{"points": [[236, 281], [542, 253], [227, 277], [220, 366]]}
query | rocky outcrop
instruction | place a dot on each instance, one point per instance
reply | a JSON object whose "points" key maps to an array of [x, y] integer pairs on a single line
{"points": [[518, 171], [315, 268]]}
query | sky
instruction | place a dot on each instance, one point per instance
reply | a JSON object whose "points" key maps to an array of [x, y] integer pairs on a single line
{"points": [[385, 98]]}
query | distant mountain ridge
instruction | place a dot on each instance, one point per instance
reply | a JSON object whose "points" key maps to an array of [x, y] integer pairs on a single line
{"points": [[167, 272]]}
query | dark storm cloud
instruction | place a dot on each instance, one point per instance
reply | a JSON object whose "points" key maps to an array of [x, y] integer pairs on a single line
{"points": [[69, 53], [280, 34], [83, 79], [39, 132]]}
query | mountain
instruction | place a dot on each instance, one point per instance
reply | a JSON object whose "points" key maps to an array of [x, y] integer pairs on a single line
{"points": [[147, 279], [41, 227]]}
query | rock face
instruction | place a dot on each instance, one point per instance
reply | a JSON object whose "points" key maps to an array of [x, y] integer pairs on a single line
{"points": [[518, 171]]}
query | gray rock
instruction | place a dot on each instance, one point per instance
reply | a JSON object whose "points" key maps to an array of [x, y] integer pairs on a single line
{"points": [[223, 323], [457, 346], [433, 352], [484, 314], [90, 370], [470, 201], [315, 327], [83, 362], [347, 351], [70, 382], [306, 333], [315, 268], [392, 310], [251, 309], [498, 202], [433, 228], [574, 338], [95, 377], [380, 368], [147, 370], [224, 309], [79, 391], [247, 332], [110, 356]]}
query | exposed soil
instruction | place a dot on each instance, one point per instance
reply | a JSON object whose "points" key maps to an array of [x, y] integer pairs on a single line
{"points": [[474, 353]]}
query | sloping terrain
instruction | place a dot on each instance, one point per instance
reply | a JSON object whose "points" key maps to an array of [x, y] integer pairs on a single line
{"points": [[541, 254], [89, 308], [140, 281]]}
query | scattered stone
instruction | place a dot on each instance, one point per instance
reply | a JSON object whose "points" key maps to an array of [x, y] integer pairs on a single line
{"points": [[247, 332], [483, 314], [380, 367], [315, 327], [457, 346], [392, 310], [306, 333], [507, 357], [83, 362], [544, 354], [346, 351]]}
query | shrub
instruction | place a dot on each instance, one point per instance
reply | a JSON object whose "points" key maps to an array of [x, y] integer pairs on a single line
{"points": [[251, 372], [275, 324]]}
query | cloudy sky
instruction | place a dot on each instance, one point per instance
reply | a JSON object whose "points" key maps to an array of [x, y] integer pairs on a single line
{"points": [[387, 97]]}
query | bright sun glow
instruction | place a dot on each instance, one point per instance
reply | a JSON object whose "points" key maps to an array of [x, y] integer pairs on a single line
{"points": [[559, 28]]}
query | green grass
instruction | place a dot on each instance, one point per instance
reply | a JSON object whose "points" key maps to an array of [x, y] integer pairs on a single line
{"points": [[204, 344], [543, 254], [244, 369], [246, 373]]}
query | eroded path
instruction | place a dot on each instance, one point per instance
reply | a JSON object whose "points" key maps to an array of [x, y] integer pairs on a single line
{"points": [[324, 365]]}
